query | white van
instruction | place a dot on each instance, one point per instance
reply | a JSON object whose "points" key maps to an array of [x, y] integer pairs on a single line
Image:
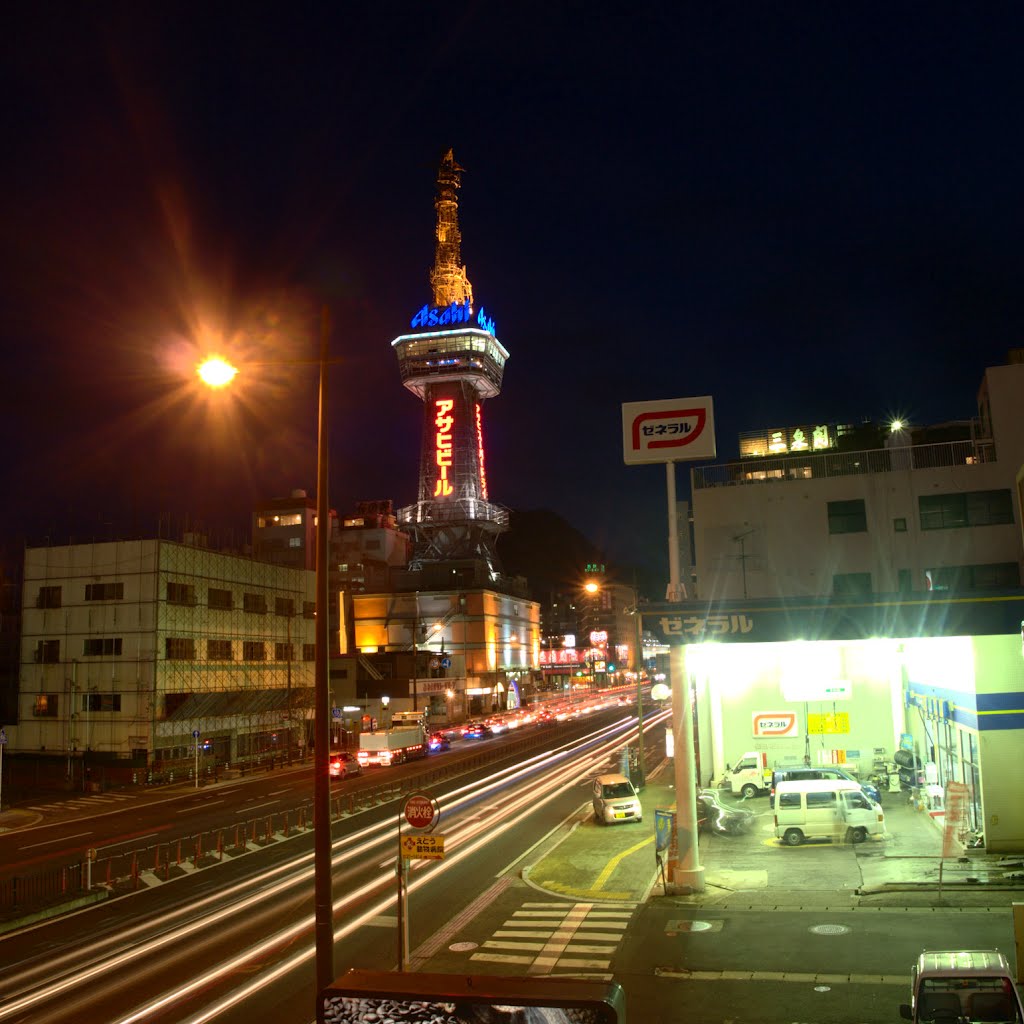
{"points": [[825, 809]]}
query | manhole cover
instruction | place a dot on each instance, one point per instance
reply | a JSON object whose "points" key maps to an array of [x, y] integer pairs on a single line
{"points": [[462, 947], [688, 926], [829, 929]]}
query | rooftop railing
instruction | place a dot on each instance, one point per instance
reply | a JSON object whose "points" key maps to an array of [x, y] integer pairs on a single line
{"points": [[814, 465]]}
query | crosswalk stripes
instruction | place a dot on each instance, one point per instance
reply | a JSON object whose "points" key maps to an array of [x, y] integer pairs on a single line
{"points": [[550, 936], [81, 802]]}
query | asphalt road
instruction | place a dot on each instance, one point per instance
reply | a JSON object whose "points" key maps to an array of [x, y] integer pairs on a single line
{"points": [[780, 934]]}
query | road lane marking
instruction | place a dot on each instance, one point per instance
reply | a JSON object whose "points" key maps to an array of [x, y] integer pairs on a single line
{"points": [[803, 979], [199, 807], [617, 860], [246, 810], [62, 839], [278, 792]]}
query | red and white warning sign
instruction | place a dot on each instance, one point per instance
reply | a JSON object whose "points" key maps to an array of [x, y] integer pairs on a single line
{"points": [[671, 431]]}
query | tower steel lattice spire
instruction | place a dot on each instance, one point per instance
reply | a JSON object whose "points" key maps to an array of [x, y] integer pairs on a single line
{"points": [[448, 276]]}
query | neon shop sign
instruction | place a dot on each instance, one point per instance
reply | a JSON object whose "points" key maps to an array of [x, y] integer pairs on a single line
{"points": [[480, 452], [444, 421], [456, 313]]}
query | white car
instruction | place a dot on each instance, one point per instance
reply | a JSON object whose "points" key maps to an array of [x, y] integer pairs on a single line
{"points": [[615, 800], [343, 765]]}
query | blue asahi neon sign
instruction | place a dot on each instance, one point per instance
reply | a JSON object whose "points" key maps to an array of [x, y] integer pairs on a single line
{"points": [[485, 321], [456, 313]]}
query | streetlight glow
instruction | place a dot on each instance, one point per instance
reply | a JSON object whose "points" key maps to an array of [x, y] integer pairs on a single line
{"points": [[216, 372]]}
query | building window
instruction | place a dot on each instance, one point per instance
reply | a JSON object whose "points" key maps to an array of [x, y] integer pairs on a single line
{"points": [[222, 600], [974, 508], [104, 591], [180, 593], [269, 519], [49, 597], [851, 583], [48, 651], [179, 648], [284, 606], [45, 705], [256, 603], [899, 525], [254, 650], [905, 581], [309, 609], [847, 516], [998, 576], [309, 652], [218, 650], [284, 652], [98, 647], [101, 702], [295, 542]]}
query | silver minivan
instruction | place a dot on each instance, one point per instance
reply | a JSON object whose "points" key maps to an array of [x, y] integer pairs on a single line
{"points": [[615, 799]]}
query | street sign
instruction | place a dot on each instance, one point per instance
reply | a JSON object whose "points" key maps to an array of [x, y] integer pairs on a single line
{"points": [[335, 712], [420, 811], [423, 847], [195, 734], [446, 662], [3, 737], [671, 431]]}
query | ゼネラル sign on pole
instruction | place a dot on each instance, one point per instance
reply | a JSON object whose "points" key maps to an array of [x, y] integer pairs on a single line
{"points": [[675, 430]]}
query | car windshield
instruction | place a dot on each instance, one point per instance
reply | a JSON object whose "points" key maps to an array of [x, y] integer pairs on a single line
{"points": [[973, 999], [616, 790]]}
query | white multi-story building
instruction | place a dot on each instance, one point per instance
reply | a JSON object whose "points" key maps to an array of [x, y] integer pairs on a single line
{"points": [[860, 603], [130, 649], [907, 517]]}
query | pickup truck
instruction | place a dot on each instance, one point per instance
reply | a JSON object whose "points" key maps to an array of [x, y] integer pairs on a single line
{"points": [[952, 986]]}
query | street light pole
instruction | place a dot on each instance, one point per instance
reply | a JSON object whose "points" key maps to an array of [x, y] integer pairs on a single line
{"points": [[322, 895], [639, 659]]}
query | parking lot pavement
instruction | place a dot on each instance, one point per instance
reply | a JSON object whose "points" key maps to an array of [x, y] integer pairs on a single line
{"points": [[617, 863]]}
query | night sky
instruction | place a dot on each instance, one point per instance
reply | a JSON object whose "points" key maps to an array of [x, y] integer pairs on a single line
{"points": [[810, 212]]}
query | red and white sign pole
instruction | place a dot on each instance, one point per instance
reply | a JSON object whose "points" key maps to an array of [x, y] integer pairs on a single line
{"points": [[676, 430], [421, 811]]}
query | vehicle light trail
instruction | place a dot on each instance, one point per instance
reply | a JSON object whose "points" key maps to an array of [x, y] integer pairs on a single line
{"points": [[467, 836]]}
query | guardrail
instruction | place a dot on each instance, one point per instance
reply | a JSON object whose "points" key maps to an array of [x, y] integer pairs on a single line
{"points": [[121, 873]]}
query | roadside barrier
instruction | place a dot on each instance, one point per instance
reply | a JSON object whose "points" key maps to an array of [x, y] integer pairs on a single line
{"points": [[119, 873]]}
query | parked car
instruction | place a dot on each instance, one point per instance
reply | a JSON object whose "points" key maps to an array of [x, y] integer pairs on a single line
{"points": [[807, 773], [834, 809], [717, 817], [615, 799], [343, 765], [947, 986], [438, 741]]}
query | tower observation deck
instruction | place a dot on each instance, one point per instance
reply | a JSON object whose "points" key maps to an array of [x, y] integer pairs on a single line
{"points": [[452, 361]]}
